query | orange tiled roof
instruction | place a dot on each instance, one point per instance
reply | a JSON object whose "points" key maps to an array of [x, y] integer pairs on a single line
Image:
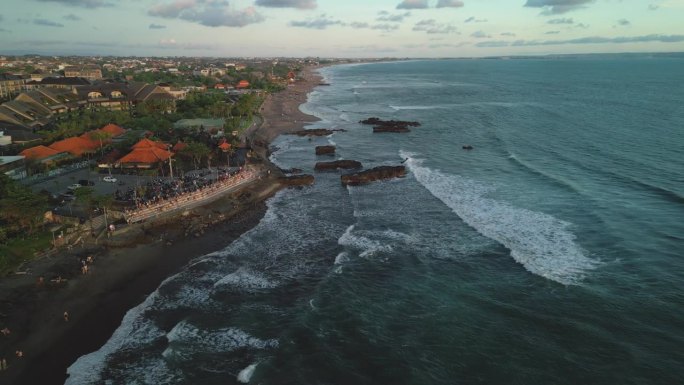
{"points": [[146, 143], [39, 152], [242, 84], [113, 129], [225, 146], [146, 155], [76, 146], [179, 146]]}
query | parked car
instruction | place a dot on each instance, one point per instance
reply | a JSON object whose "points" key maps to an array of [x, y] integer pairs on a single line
{"points": [[109, 179], [85, 182], [74, 186]]}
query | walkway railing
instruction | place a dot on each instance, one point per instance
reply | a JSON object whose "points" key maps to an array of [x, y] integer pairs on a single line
{"points": [[202, 195]]}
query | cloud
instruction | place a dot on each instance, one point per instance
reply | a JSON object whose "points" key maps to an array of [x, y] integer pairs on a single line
{"points": [[449, 4], [71, 17], [431, 26], [553, 7], [653, 7], [157, 26], [47, 23], [472, 19], [299, 4], [561, 21], [551, 32], [321, 22], [394, 18], [493, 44], [413, 4], [83, 3], [480, 35], [211, 13], [507, 34], [593, 40], [623, 23]]}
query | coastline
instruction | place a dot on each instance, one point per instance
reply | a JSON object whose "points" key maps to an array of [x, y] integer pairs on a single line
{"points": [[121, 278]]}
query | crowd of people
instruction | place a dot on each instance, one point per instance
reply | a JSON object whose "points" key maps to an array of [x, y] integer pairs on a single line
{"points": [[161, 196]]}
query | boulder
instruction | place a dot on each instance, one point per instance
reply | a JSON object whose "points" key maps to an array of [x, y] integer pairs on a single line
{"points": [[467, 147], [325, 150], [380, 122], [297, 180], [337, 164], [373, 174], [292, 170]]}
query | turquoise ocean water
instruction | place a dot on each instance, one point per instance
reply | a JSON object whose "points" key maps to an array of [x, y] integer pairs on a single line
{"points": [[552, 253]]}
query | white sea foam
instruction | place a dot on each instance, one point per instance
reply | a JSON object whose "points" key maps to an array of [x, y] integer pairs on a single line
{"points": [[246, 374], [186, 339], [245, 279], [541, 243], [135, 330], [366, 246]]}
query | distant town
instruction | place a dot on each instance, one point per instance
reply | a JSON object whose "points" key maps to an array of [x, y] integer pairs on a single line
{"points": [[80, 136]]}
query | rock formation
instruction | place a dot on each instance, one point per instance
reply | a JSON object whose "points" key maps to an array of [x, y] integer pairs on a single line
{"points": [[325, 150], [297, 180], [373, 174], [316, 132]]}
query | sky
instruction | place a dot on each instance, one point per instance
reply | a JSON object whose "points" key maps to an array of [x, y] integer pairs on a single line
{"points": [[339, 28]]}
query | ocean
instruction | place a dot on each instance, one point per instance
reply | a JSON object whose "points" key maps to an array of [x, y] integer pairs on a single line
{"points": [[551, 253]]}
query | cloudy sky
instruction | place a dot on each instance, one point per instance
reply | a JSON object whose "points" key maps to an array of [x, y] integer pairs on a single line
{"points": [[339, 28]]}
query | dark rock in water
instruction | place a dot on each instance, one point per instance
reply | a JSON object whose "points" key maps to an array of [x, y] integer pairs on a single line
{"points": [[325, 150], [297, 180], [380, 122], [291, 170], [316, 132], [337, 164], [377, 129], [467, 147], [373, 174]]}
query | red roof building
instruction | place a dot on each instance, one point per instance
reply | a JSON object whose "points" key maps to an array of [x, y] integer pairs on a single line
{"points": [[145, 157], [178, 147], [113, 130], [242, 84], [146, 143], [40, 153], [76, 146]]}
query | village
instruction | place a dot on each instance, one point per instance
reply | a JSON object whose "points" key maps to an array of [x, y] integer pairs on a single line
{"points": [[91, 147]]}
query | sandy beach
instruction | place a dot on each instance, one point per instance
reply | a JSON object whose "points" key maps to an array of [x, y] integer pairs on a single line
{"points": [[120, 278]]}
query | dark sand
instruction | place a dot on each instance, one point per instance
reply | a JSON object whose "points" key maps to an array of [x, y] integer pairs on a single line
{"points": [[121, 278]]}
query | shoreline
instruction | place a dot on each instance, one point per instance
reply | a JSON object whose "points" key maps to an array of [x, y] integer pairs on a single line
{"points": [[122, 277]]}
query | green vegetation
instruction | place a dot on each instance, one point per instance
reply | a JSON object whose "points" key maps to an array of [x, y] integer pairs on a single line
{"points": [[21, 221]]}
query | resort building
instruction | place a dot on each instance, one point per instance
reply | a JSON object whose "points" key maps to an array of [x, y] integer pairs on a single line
{"points": [[13, 166], [10, 85]]}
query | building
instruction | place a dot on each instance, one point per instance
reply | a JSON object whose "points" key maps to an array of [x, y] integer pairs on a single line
{"points": [[18, 133], [146, 154], [76, 146], [124, 96], [13, 166], [43, 154], [88, 71], [54, 82], [10, 85]]}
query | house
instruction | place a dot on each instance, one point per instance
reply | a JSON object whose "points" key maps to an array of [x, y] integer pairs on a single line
{"points": [[113, 130], [54, 82], [43, 154], [88, 71], [24, 114], [76, 146], [13, 166], [145, 154], [10, 85], [242, 84]]}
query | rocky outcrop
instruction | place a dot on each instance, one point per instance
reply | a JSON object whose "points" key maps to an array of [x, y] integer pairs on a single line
{"points": [[337, 164], [467, 147], [297, 180], [380, 125], [380, 122], [316, 132], [373, 174], [325, 150], [292, 170]]}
